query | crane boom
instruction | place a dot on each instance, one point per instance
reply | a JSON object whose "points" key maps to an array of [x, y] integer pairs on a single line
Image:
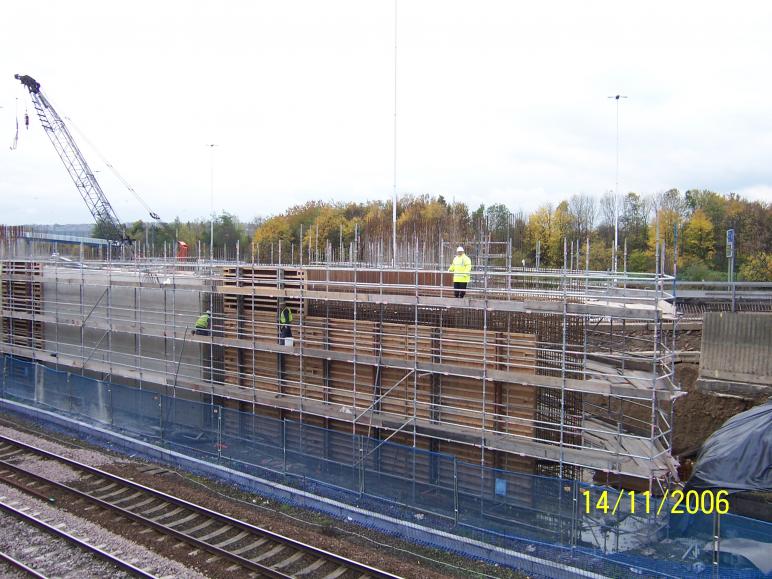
{"points": [[76, 164]]}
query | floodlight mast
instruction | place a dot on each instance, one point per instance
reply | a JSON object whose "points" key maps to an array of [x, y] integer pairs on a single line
{"points": [[616, 192], [76, 165]]}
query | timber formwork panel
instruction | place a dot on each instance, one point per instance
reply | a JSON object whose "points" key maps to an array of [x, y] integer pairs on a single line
{"points": [[398, 395], [256, 276], [359, 388], [21, 292], [307, 381]]}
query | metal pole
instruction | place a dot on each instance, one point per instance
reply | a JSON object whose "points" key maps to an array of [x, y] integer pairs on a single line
{"points": [[211, 201], [731, 279], [675, 257], [716, 551], [616, 190], [394, 186], [538, 253]]}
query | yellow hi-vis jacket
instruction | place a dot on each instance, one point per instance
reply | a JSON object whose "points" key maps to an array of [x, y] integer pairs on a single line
{"points": [[286, 316], [461, 268]]}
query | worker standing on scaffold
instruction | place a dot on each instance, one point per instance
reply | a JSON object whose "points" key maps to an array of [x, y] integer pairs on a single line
{"points": [[285, 319], [462, 269]]}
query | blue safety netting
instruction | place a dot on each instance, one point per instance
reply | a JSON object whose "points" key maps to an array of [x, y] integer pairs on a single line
{"points": [[543, 517]]}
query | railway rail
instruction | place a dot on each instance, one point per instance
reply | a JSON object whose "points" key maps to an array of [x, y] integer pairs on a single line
{"points": [[20, 566], [26, 515], [245, 547]]}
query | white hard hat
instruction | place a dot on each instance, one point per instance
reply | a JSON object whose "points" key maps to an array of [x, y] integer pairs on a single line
{"points": [[208, 311], [459, 249]]}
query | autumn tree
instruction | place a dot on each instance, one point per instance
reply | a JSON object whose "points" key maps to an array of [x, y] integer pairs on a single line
{"points": [[540, 229], [698, 236], [757, 267]]}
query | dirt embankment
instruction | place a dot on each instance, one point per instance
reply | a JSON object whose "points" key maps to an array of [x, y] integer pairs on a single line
{"points": [[697, 414]]}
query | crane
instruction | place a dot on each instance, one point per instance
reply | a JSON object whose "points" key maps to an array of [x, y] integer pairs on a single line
{"points": [[76, 165]]}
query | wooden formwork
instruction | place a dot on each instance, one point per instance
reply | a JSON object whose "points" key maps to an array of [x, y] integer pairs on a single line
{"points": [[356, 388], [21, 289], [256, 276], [389, 282], [405, 341]]}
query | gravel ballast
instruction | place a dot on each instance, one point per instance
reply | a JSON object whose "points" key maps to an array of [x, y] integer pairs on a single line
{"points": [[85, 530], [346, 539]]}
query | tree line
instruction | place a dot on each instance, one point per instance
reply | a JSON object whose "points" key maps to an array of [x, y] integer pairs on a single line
{"points": [[688, 227]]}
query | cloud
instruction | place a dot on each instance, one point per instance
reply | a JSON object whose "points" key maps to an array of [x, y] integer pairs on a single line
{"points": [[496, 101]]}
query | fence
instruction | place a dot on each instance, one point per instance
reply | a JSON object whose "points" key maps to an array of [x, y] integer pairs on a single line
{"points": [[545, 517]]}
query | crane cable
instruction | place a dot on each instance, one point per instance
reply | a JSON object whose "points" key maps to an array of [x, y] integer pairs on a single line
{"points": [[16, 136], [152, 213]]}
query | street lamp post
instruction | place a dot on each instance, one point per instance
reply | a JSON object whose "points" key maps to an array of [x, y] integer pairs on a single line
{"points": [[616, 190], [211, 201], [394, 189]]}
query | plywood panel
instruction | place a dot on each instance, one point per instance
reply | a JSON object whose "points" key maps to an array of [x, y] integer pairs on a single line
{"points": [[461, 401], [307, 380], [260, 370], [402, 387], [351, 385]]}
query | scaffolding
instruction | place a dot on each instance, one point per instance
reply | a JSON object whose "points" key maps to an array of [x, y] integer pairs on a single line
{"points": [[567, 373]]}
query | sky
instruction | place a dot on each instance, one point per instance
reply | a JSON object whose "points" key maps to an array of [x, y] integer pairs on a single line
{"points": [[497, 102]]}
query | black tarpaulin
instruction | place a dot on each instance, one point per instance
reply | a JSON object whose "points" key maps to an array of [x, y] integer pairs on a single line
{"points": [[738, 456]]}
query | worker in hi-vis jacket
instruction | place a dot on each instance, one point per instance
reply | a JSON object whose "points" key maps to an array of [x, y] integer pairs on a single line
{"points": [[202, 324], [285, 319], [462, 269]]}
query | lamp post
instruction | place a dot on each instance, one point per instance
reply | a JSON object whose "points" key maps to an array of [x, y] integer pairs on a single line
{"points": [[211, 201], [394, 188], [616, 189]]}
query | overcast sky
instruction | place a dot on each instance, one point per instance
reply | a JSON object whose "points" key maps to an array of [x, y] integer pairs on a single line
{"points": [[498, 102]]}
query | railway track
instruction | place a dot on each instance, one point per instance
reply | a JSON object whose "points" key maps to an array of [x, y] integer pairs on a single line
{"points": [[23, 568], [40, 552], [236, 545]]}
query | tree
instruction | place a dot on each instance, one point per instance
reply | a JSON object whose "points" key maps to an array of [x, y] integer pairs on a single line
{"points": [[583, 210], [478, 215], [609, 206], [327, 228], [698, 236], [634, 221], [106, 230], [540, 228], [497, 219], [560, 233], [271, 231], [670, 213], [758, 267]]}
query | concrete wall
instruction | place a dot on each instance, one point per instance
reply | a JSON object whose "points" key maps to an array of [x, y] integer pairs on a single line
{"points": [[737, 347], [158, 309]]}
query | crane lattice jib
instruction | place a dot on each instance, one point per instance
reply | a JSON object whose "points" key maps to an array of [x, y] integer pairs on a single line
{"points": [[75, 163]]}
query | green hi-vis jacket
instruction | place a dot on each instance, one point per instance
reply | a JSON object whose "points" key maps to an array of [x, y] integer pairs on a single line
{"points": [[286, 316], [202, 323], [461, 268]]}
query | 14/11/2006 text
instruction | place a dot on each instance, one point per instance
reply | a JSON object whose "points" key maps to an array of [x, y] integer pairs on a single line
{"points": [[690, 502]]}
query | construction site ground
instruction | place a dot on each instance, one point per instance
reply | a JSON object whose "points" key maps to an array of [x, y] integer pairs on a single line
{"points": [[699, 414]]}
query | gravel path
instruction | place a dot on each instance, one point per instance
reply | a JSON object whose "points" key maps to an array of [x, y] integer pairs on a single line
{"points": [[135, 554]]}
